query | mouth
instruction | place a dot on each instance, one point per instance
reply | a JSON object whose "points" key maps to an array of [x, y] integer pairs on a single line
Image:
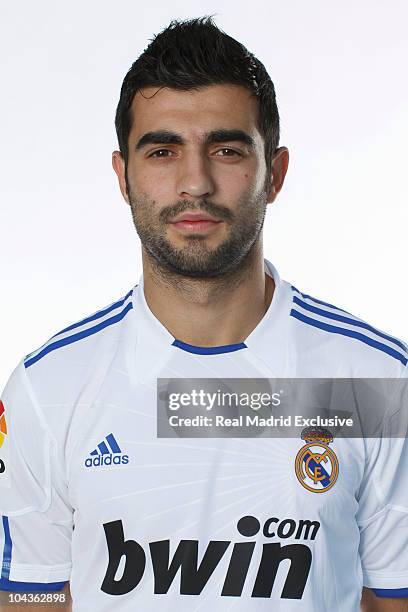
{"points": [[198, 222], [199, 226]]}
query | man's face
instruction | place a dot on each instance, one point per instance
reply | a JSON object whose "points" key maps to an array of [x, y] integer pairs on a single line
{"points": [[196, 177]]}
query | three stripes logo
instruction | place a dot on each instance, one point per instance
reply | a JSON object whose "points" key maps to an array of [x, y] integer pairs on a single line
{"points": [[108, 452]]}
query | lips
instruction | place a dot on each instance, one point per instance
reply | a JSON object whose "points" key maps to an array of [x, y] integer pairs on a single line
{"points": [[196, 222], [194, 217]]}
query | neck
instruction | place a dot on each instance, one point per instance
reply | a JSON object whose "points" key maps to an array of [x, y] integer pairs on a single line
{"points": [[209, 312]]}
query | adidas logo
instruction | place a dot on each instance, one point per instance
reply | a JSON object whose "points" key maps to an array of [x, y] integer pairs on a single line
{"points": [[108, 452]]}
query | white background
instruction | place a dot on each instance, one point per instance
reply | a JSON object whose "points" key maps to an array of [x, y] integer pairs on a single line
{"points": [[337, 230]]}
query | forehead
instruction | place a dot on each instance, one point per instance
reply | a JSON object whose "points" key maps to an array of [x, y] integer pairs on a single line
{"points": [[196, 111]]}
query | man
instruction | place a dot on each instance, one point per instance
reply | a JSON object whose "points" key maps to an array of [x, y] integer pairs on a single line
{"points": [[91, 495]]}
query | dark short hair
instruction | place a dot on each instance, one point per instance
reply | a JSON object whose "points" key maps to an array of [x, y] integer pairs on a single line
{"points": [[194, 53]]}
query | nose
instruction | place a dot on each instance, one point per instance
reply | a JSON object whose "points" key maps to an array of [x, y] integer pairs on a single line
{"points": [[194, 178]]}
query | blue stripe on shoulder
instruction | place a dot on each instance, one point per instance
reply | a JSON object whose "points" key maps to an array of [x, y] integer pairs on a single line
{"points": [[351, 334], [309, 297], [97, 315], [391, 592], [342, 319], [78, 336]]}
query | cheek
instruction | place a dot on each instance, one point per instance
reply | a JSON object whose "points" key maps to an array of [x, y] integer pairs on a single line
{"points": [[247, 183], [155, 187], [236, 183]]}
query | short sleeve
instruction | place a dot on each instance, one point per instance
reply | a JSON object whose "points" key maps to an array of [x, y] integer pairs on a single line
{"points": [[36, 519], [383, 506]]}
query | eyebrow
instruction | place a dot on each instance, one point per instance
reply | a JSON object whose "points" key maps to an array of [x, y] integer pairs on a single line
{"points": [[220, 135]]}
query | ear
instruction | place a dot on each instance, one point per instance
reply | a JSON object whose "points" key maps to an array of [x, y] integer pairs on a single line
{"points": [[118, 164], [280, 162]]}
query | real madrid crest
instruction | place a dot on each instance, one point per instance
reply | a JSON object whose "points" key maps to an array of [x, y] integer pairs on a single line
{"points": [[316, 465]]}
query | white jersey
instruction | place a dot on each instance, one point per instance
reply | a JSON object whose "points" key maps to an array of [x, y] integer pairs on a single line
{"points": [[89, 493]]}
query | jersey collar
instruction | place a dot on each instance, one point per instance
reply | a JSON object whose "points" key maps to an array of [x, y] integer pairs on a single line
{"points": [[267, 343]]}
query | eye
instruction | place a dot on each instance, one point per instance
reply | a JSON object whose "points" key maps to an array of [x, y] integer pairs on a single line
{"points": [[159, 152], [230, 151]]}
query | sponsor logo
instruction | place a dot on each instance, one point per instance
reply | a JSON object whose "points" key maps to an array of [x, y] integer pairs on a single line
{"points": [[316, 465], [193, 576], [3, 434], [3, 426], [108, 452]]}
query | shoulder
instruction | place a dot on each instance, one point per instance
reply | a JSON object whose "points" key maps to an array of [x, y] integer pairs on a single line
{"points": [[81, 343], [346, 338], [65, 375]]}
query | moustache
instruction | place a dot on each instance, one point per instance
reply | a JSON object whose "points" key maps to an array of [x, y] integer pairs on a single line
{"points": [[220, 212]]}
